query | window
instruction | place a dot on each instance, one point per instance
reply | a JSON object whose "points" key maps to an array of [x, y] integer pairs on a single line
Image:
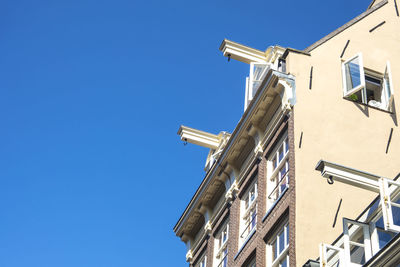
{"points": [[221, 246], [202, 261], [249, 210], [278, 171], [257, 73], [279, 248], [252, 263], [367, 86], [390, 208], [357, 242], [363, 240]]}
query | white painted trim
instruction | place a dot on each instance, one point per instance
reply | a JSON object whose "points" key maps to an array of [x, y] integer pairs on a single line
{"points": [[242, 53], [389, 90], [362, 76], [198, 137], [349, 176]]}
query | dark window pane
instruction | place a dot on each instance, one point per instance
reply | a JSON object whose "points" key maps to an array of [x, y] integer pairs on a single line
{"points": [[281, 242]]}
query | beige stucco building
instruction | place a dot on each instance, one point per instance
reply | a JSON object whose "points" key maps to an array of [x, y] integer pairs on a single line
{"points": [[263, 200]]}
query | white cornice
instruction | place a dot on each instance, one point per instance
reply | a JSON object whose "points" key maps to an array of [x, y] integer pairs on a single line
{"points": [[242, 53], [198, 137]]}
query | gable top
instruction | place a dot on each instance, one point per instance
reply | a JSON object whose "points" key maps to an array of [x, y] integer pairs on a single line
{"points": [[375, 5], [374, 2]]}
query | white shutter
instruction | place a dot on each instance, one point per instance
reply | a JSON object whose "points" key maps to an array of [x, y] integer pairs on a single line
{"points": [[353, 75]]}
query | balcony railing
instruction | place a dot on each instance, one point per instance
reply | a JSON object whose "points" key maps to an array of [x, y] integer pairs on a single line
{"points": [[250, 225], [224, 261], [280, 187]]}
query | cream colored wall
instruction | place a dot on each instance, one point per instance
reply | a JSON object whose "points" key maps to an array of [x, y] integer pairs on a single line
{"points": [[337, 130]]}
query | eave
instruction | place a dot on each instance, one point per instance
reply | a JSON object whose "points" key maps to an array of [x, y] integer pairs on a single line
{"points": [[242, 53], [267, 89]]}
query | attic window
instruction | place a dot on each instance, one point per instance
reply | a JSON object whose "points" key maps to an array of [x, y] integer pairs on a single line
{"points": [[253, 82], [367, 86]]}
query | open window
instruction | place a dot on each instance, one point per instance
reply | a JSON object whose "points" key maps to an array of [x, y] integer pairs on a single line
{"points": [[387, 78], [253, 82], [331, 256], [367, 86], [357, 242], [353, 76], [390, 208]]}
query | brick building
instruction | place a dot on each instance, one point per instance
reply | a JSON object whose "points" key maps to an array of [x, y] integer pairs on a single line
{"points": [[262, 202]]}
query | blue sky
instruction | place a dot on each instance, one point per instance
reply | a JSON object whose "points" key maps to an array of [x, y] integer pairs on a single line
{"points": [[92, 93]]}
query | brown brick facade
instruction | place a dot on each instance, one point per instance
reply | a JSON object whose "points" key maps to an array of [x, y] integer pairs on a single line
{"points": [[283, 210]]}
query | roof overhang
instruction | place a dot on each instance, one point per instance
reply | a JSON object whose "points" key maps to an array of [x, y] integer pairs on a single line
{"points": [[267, 90], [242, 53], [198, 137]]}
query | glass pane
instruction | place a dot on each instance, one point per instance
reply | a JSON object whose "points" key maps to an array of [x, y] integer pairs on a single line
{"points": [[253, 219], [283, 185], [258, 70], [224, 235], [284, 262], [396, 213], [353, 75], [281, 239], [379, 223], [357, 253], [287, 235], [281, 153], [255, 88], [252, 195], [387, 84], [274, 250], [274, 163], [287, 145], [282, 171], [384, 238]]}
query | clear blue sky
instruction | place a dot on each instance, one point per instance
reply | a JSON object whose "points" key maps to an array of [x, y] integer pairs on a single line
{"points": [[92, 93]]}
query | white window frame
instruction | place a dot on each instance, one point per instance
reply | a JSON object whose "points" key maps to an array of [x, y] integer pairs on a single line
{"points": [[275, 240], [348, 231], [220, 244], [273, 172], [387, 92], [250, 90], [362, 76], [203, 260], [331, 259], [248, 212], [387, 82], [387, 203]]}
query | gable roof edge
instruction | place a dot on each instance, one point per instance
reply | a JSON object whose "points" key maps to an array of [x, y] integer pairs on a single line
{"points": [[345, 26]]}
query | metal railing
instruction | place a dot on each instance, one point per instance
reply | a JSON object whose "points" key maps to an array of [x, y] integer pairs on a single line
{"points": [[250, 223], [224, 261], [277, 187]]}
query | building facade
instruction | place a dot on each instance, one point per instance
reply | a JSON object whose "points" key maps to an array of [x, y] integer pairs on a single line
{"points": [[262, 202]]}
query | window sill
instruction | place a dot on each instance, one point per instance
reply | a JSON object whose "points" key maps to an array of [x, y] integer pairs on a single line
{"points": [[273, 205], [366, 105], [245, 242]]}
